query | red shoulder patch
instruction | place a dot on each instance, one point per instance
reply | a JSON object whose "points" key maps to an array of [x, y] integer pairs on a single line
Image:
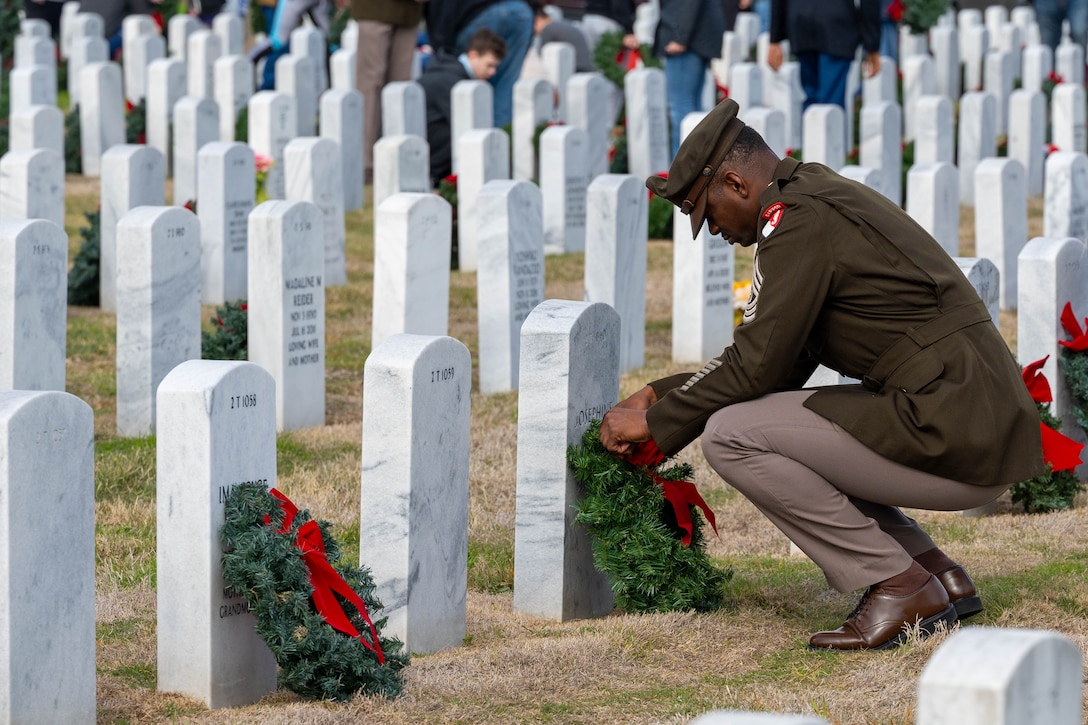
{"points": [[773, 215], [774, 212]]}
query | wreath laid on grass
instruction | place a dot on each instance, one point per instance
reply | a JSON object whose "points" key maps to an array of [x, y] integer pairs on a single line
{"points": [[288, 567], [646, 535]]}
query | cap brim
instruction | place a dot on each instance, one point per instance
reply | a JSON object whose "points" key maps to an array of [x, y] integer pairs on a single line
{"points": [[698, 214]]}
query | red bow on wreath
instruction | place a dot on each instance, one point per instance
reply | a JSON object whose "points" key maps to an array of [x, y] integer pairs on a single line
{"points": [[1060, 451], [1069, 322], [628, 58], [327, 583], [680, 494]]}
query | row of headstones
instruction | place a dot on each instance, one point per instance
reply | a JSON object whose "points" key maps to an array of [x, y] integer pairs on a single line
{"points": [[201, 86], [978, 676], [225, 415], [157, 285]]}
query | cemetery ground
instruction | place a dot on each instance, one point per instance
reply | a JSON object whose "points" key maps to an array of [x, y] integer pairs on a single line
{"points": [[1032, 570]]}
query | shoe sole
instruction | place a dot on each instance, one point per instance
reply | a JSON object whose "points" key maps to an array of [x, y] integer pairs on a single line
{"points": [[967, 607], [926, 627]]}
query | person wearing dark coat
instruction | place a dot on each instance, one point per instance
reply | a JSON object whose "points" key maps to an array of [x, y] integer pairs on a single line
{"points": [[825, 37], [842, 277], [452, 23], [485, 53], [688, 35]]}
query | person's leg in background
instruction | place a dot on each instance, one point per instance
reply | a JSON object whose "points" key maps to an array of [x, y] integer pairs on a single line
{"points": [[809, 64], [1077, 13], [684, 76], [512, 20], [378, 62], [832, 85], [1049, 15]]}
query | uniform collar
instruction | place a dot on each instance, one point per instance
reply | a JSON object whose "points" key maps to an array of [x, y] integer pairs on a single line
{"points": [[783, 172]]}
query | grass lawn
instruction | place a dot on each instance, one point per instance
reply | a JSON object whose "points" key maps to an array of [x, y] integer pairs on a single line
{"points": [[1032, 570]]}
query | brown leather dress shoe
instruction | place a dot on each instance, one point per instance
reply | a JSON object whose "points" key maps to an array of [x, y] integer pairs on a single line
{"points": [[961, 591], [881, 620]]}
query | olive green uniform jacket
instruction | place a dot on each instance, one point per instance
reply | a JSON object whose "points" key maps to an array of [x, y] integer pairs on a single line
{"points": [[845, 278]]}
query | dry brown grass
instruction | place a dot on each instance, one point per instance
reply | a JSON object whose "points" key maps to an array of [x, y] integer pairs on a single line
{"points": [[519, 669]]}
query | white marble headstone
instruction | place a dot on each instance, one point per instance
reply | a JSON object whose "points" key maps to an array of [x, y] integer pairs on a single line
{"points": [[558, 61], [401, 164], [165, 87], [933, 200], [1067, 117], [101, 114], [196, 123], [1027, 135], [1000, 676], [984, 277], [977, 139], [569, 377], [533, 105], [295, 77], [823, 135], [233, 89], [1001, 224], [287, 307], [404, 109], [47, 659], [226, 190], [564, 177], [589, 107], [132, 175], [32, 185], [648, 150], [314, 175], [412, 238], [273, 122], [85, 50], [37, 127], [880, 134], [510, 276], [1065, 211], [471, 108], [33, 303], [203, 47], [216, 429], [142, 50], [342, 121], [413, 517], [615, 262], [158, 307], [231, 33], [178, 30], [485, 156]]}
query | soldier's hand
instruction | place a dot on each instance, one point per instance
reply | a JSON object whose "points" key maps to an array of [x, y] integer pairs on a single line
{"points": [[622, 427]]}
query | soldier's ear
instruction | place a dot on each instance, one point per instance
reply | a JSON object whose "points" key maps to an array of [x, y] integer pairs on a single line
{"points": [[735, 183]]}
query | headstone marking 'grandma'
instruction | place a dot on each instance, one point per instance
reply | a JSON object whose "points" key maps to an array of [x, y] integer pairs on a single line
{"points": [[216, 429]]}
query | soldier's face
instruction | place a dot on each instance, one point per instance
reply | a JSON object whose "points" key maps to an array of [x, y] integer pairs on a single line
{"points": [[732, 210]]}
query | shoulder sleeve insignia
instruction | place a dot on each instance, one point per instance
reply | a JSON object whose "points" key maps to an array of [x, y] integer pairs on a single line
{"points": [[773, 215]]}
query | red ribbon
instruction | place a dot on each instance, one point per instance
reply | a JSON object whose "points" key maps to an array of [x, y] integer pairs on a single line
{"points": [[628, 58], [1038, 387], [327, 583], [680, 494], [1060, 451], [1069, 322]]}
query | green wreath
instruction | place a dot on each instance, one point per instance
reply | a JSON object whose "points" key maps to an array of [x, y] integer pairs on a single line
{"points": [[610, 57], [636, 539], [266, 564]]}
